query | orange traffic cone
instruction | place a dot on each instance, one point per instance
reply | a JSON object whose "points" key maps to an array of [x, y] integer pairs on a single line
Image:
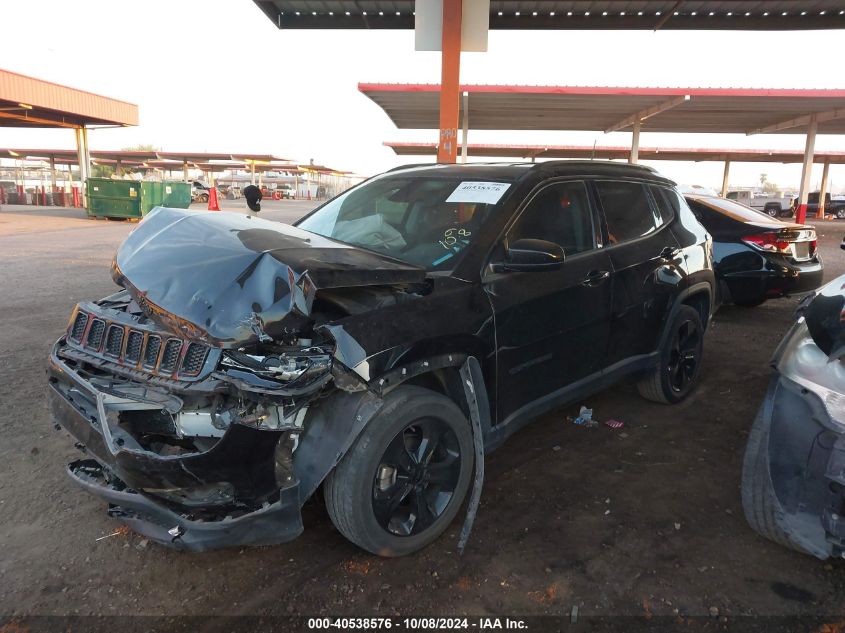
{"points": [[212, 200]]}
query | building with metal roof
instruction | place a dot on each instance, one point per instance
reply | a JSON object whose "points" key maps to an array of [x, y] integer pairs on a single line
{"points": [[30, 102]]}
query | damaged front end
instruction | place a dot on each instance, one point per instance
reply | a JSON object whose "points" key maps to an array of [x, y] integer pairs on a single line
{"points": [[794, 473], [189, 390]]}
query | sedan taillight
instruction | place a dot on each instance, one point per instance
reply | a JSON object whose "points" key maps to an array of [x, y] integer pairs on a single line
{"points": [[771, 242]]}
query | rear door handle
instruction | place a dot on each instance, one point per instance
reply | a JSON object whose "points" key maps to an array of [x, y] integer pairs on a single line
{"points": [[670, 252], [595, 277]]}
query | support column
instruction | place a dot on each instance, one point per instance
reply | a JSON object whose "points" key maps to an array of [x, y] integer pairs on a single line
{"points": [[252, 169], [823, 189], [184, 171], [450, 80], [725, 177], [807, 173], [119, 168], [465, 118], [84, 160], [635, 144], [53, 173]]}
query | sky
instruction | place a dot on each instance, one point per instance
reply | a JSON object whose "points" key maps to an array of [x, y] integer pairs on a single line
{"points": [[218, 76]]}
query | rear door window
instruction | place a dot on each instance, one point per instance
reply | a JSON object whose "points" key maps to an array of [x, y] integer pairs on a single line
{"points": [[668, 203], [627, 210]]}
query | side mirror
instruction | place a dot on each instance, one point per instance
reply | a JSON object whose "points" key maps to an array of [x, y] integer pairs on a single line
{"points": [[528, 255]]}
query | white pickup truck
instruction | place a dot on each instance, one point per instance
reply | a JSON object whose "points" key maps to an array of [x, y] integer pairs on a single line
{"points": [[775, 206]]}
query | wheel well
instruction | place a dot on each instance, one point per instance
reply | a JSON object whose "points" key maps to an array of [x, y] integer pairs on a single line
{"points": [[446, 381], [700, 301]]}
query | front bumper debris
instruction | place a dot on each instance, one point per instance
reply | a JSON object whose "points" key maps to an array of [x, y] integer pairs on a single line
{"points": [[275, 523], [226, 496]]}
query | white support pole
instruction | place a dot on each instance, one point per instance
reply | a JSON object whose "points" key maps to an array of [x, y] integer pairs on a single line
{"points": [[823, 189], [807, 172], [635, 144], [53, 172], [725, 177], [185, 171], [252, 168], [465, 130]]}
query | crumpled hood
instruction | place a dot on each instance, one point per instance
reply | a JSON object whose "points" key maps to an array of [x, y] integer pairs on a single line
{"points": [[229, 279], [825, 317]]}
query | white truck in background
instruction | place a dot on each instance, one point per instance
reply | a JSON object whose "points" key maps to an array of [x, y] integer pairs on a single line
{"points": [[775, 206]]}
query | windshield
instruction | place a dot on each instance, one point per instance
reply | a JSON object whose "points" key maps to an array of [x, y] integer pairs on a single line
{"points": [[423, 220]]}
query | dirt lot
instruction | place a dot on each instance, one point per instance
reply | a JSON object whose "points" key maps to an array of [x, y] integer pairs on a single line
{"points": [[643, 520]]}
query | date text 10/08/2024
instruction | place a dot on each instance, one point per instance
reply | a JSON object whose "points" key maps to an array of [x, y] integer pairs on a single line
{"points": [[418, 623]]}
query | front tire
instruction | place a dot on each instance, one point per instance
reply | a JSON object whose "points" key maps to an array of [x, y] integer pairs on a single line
{"points": [[676, 373], [402, 482]]}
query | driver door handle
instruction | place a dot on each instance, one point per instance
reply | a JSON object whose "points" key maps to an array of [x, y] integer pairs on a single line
{"points": [[595, 277]]}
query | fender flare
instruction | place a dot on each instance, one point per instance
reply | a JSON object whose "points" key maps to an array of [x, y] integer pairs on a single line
{"points": [[683, 295], [331, 428]]}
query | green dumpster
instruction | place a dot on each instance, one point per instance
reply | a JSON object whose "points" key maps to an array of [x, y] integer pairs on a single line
{"points": [[109, 198]]}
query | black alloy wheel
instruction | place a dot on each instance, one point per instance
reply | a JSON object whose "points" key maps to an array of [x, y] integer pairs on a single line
{"points": [[416, 477], [402, 482], [674, 377], [684, 356]]}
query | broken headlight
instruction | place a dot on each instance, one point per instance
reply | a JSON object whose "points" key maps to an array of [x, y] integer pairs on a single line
{"points": [[286, 365], [800, 359]]}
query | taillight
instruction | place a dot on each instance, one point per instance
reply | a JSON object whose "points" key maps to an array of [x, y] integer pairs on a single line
{"points": [[770, 242]]}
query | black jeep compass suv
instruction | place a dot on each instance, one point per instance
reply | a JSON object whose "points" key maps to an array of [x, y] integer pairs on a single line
{"points": [[377, 349]]}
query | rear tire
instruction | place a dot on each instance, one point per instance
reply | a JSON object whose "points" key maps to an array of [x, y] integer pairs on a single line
{"points": [[759, 503], [679, 365], [840, 213], [388, 463]]}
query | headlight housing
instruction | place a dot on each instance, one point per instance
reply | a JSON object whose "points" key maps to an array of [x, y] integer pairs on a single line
{"points": [[287, 366], [800, 359]]}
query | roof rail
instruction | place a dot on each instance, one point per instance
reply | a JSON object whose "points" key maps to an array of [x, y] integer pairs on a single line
{"points": [[410, 166]]}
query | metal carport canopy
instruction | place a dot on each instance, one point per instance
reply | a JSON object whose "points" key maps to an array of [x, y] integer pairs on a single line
{"points": [[486, 150], [571, 14], [595, 108], [29, 102]]}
